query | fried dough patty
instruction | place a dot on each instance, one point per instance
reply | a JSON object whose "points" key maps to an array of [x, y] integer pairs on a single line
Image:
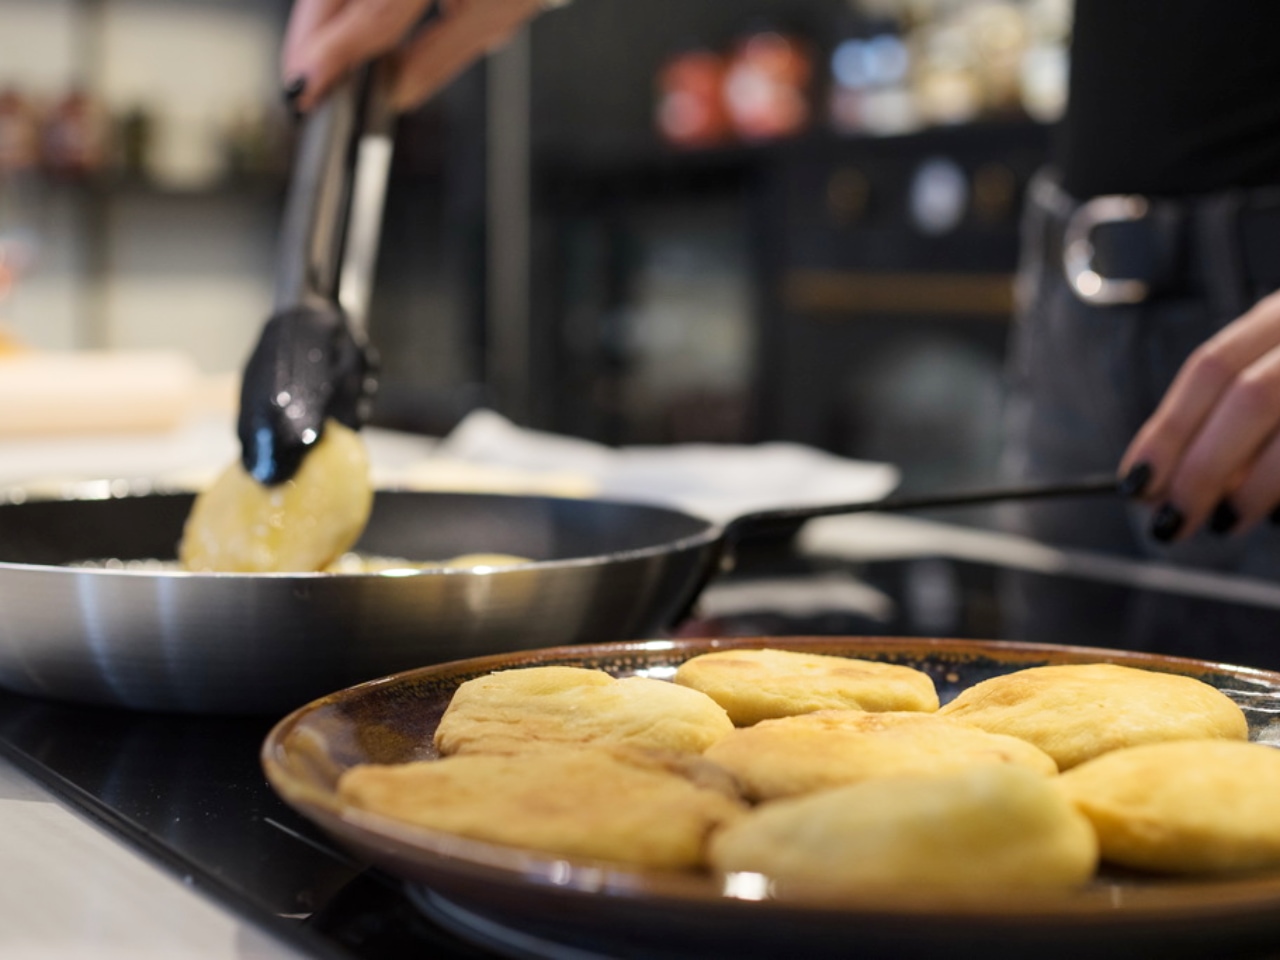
{"points": [[516, 710], [1188, 806], [572, 801], [238, 525], [1074, 712], [815, 751], [754, 685], [989, 827]]}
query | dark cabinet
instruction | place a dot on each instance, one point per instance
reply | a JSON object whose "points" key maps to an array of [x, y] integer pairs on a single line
{"points": [[887, 273], [872, 280]]}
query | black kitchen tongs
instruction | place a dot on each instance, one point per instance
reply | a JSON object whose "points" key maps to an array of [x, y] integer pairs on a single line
{"points": [[313, 360]]}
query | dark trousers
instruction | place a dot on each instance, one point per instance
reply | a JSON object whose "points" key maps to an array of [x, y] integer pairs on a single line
{"points": [[1081, 380]]}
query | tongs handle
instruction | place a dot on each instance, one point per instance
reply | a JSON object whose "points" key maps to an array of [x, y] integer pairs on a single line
{"points": [[333, 213]]}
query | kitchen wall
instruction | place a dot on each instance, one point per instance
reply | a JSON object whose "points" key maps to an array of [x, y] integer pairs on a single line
{"points": [[38, 50], [176, 260]]}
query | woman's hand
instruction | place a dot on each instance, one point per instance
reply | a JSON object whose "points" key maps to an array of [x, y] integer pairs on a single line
{"points": [[1211, 451], [326, 38]]}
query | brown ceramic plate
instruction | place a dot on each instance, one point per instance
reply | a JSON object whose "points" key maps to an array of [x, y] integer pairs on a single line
{"points": [[528, 904]]}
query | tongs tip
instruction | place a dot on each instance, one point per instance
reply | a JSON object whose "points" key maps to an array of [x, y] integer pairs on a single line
{"points": [[306, 369]]}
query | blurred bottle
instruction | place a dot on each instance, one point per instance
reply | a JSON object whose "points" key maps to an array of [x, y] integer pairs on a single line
{"points": [[75, 136], [17, 257], [187, 151], [19, 133], [999, 38], [946, 84], [1045, 64], [135, 133], [690, 109], [245, 141], [869, 90], [768, 84], [971, 62]]}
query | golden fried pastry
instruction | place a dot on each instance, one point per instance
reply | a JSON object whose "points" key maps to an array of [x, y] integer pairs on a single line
{"points": [[989, 827], [299, 526], [816, 751], [517, 710], [1188, 806], [570, 801], [754, 685], [1077, 711]]}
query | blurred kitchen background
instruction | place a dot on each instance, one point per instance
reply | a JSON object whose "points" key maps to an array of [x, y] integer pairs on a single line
{"points": [[645, 221]]}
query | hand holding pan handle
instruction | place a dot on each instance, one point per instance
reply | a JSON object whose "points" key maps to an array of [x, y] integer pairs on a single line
{"points": [[313, 360]]}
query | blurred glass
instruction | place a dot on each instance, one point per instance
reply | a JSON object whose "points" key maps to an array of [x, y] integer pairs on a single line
{"points": [[767, 85], [691, 109], [17, 258]]}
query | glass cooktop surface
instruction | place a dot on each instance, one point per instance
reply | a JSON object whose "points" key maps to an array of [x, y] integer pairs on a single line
{"points": [[188, 792]]}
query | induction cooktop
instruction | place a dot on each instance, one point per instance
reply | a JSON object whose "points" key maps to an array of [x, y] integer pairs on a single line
{"points": [[188, 792]]}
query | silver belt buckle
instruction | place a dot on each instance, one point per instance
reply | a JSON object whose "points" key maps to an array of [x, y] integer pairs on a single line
{"points": [[1077, 250]]}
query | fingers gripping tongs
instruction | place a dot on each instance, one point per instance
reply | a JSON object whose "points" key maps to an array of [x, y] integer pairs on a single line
{"points": [[313, 360]]}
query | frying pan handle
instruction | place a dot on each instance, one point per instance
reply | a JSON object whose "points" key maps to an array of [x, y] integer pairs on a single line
{"points": [[787, 520], [776, 521]]}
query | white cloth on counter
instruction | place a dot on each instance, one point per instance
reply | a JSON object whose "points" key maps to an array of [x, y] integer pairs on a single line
{"points": [[716, 481]]}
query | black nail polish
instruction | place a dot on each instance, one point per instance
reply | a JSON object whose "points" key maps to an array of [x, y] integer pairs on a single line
{"points": [[292, 91], [1275, 516], [1224, 518], [1136, 480], [1166, 523]]}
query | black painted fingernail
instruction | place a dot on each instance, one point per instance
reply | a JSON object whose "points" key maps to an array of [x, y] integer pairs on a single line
{"points": [[1136, 480], [292, 92], [1224, 518], [1166, 523], [1275, 516]]}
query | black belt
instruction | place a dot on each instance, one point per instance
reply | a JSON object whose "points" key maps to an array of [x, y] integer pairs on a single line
{"points": [[1129, 248]]}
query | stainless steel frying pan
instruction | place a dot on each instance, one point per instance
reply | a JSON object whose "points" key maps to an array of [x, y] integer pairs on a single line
{"points": [[162, 639], [170, 640]]}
